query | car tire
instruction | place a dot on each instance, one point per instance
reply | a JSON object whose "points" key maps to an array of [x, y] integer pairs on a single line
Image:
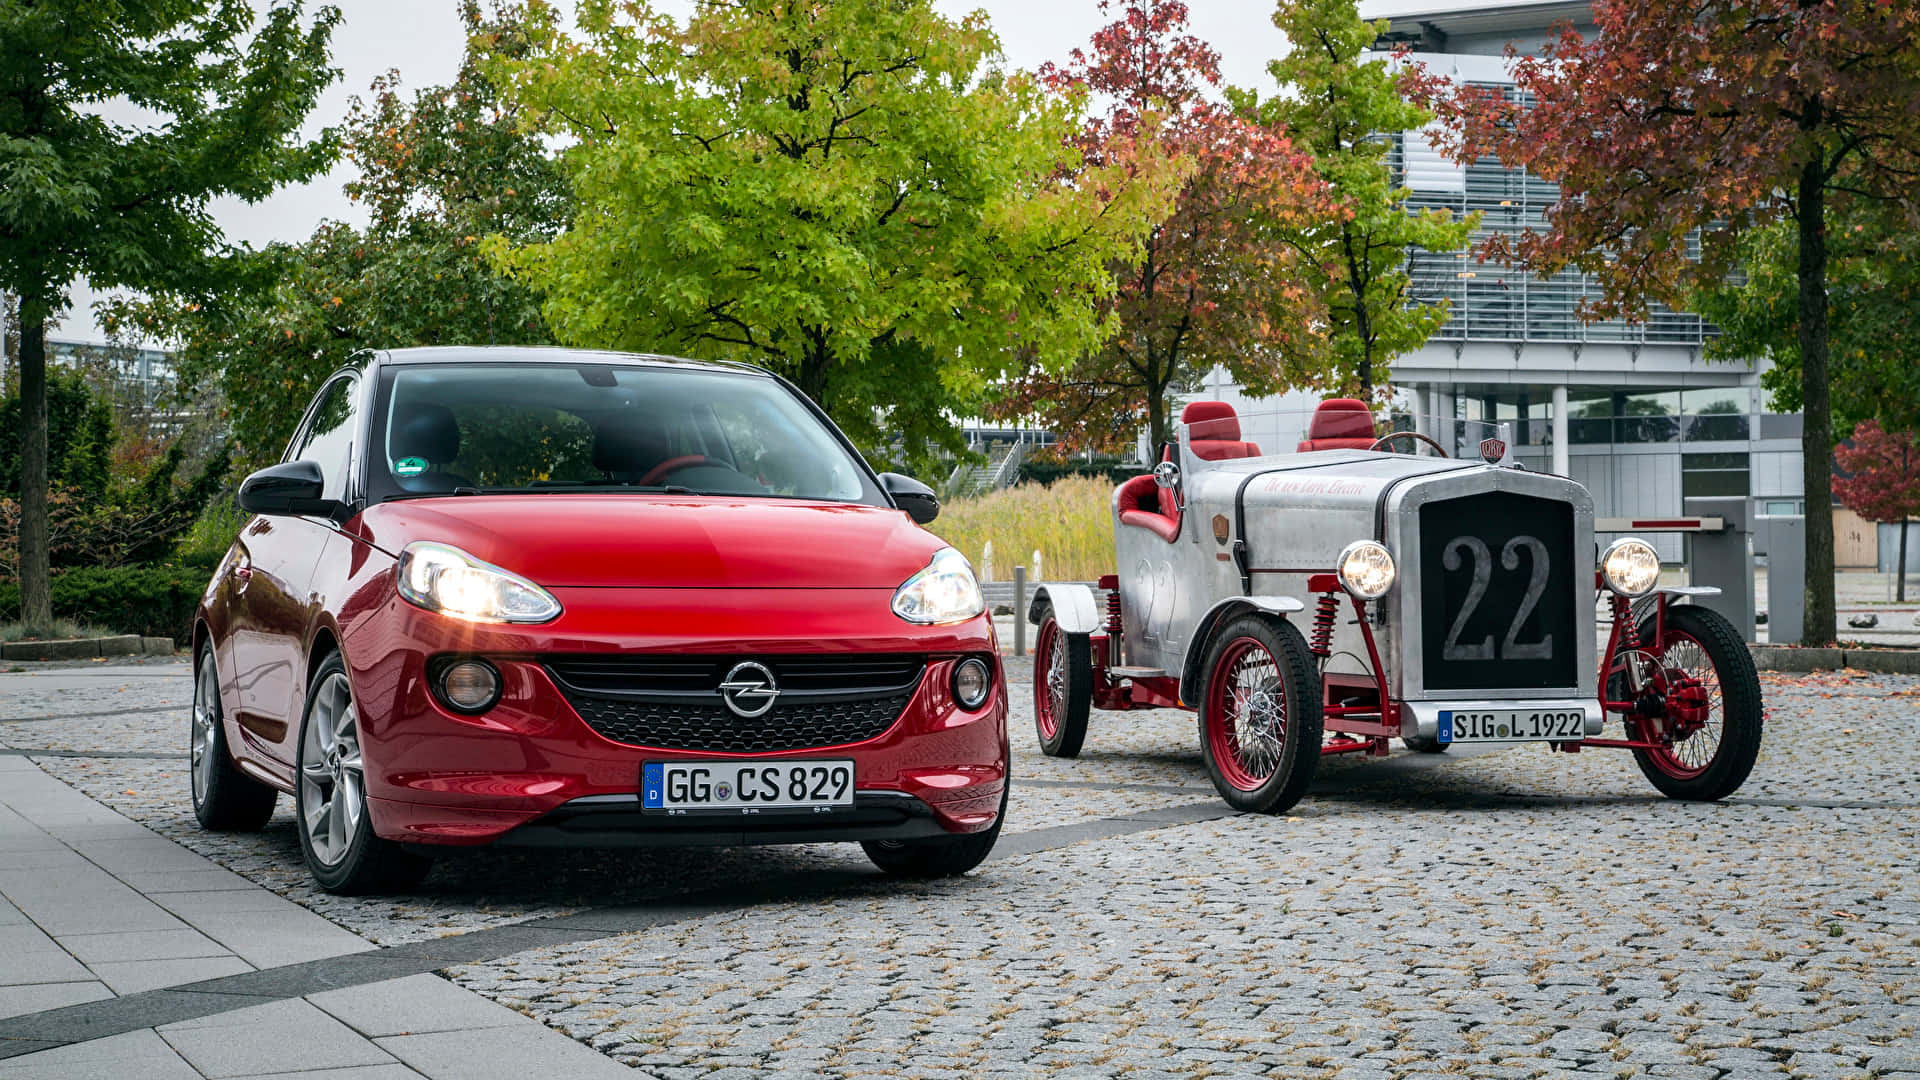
{"points": [[1709, 648], [224, 798], [1250, 662], [1062, 687], [330, 801], [940, 856]]}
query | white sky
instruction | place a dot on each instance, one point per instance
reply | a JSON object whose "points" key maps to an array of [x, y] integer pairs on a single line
{"points": [[423, 40]]}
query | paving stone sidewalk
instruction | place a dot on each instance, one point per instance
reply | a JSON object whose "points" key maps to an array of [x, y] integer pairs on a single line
{"points": [[1506, 914]]}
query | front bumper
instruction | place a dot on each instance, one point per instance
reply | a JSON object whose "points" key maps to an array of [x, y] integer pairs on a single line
{"points": [[531, 772]]}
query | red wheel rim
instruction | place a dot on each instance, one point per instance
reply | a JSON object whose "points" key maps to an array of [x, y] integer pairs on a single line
{"points": [[1246, 714], [1050, 679], [1682, 655]]}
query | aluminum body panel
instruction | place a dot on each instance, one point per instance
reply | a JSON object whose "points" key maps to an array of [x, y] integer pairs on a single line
{"points": [[1294, 513]]}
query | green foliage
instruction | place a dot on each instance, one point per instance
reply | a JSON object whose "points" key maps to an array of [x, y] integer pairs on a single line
{"points": [[125, 205], [1873, 316], [1049, 472], [851, 194], [154, 600], [79, 437], [1339, 97], [438, 173], [207, 540]]}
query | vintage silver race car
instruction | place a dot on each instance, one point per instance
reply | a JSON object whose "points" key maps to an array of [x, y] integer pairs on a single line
{"points": [[1326, 601]]}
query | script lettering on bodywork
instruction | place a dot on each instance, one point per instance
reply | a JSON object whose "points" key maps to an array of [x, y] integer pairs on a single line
{"points": [[1280, 485]]}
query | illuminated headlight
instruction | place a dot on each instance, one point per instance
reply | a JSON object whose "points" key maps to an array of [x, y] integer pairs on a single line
{"points": [[445, 579], [1630, 566], [1366, 570], [944, 591]]}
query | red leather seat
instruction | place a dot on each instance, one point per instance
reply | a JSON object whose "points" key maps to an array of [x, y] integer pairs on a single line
{"points": [[1340, 424], [1213, 430], [1142, 504]]}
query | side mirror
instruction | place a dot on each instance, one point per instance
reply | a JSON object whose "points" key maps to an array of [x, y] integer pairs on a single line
{"points": [[916, 498], [292, 487], [1166, 475]]}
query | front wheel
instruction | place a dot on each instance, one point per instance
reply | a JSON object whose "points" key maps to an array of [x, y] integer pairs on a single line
{"points": [[938, 857], [330, 797], [1062, 687], [1260, 717], [1709, 695]]}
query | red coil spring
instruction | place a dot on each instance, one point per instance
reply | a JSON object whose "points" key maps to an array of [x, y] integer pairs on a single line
{"points": [[1629, 627], [1323, 617], [1113, 613]]}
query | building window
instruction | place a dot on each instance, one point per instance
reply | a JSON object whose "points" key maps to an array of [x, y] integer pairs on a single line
{"points": [[1713, 474]]}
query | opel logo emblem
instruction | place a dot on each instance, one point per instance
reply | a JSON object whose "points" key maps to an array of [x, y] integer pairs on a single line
{"points": [[749, 690]]}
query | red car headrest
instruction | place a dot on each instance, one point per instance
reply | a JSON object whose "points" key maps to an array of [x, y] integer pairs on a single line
{"points": [[1211, 420], [1341, 418]]}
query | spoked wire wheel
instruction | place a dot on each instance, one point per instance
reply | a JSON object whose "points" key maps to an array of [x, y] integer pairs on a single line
{"points": [[1703, 679], [1260, 720], [1062, 687], [332, 785]]}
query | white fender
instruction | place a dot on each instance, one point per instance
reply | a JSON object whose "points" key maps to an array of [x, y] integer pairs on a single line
{"points": [[1219, 613], [1073, 607]]}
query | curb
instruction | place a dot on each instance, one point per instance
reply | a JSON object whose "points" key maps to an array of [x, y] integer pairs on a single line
{"points": [[1882, 661], [87, 648]]}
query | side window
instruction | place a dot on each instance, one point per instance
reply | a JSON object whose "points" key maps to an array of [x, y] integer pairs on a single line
{"points": [[329, 439]]}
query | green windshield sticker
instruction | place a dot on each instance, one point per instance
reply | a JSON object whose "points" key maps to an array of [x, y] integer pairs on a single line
{"points": [[410, 466]]}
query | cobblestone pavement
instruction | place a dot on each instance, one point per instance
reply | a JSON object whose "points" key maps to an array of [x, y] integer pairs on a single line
{"points": [[1511, 914]]}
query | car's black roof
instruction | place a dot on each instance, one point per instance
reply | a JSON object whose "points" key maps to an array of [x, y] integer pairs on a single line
{"points": [[549, 354]]}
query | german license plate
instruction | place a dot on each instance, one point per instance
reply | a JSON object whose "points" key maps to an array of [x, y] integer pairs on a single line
{"points": [[745, 787], [1511, 725]]}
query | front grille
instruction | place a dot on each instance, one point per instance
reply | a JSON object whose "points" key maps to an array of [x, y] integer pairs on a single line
{"points": [[673, 702], [1497, 574]]}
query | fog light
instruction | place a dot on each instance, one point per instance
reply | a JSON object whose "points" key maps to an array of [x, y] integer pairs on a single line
{"points": [[971, 683], [469, 685]]}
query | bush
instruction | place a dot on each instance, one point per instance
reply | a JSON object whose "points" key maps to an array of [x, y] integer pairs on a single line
{"points": [[1047, 472], [205, 543], [154, 600]]}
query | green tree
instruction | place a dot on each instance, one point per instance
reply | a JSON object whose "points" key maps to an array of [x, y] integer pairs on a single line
{"points": [[850, 194], [1343, 106], [1873, 315], [437, 173], [125, 205]]}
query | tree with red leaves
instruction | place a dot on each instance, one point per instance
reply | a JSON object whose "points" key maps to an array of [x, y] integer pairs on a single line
{"points": [[1703, 121], [1882, 482], [1212, 285]]}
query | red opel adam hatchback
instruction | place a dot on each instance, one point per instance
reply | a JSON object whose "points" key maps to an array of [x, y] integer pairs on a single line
{"points": [[552, 597]]}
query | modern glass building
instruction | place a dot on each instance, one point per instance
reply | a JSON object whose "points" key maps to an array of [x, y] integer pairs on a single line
{"points": [[1633, 411]]}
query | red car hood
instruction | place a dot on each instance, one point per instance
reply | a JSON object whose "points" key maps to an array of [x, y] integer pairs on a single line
{"points": [[665, 541]]}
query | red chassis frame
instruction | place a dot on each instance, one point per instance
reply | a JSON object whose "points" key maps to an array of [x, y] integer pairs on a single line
{"points": [[1362, 725]]}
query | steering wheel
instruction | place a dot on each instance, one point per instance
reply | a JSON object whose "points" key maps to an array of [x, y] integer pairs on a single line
{"points": [[1392, 435], [684, 461]]}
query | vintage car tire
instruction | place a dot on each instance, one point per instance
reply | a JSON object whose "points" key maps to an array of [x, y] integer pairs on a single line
{"points": [[224, 798], [1299, 750], [364, 862], [1060, 707], [945, 856], [1698, 634]]}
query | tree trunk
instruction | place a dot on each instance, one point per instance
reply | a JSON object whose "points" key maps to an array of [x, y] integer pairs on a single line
{"points": [[1157, 430], [1900, 568], [36, 597], [1816, 439]]}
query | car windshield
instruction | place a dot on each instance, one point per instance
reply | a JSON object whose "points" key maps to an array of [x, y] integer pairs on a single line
{"points": [[487, 428]]}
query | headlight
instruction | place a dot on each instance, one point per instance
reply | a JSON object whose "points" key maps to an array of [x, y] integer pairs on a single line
{"points": [[1630, 566], [943, 592], [1366, 570], [445, 579]]}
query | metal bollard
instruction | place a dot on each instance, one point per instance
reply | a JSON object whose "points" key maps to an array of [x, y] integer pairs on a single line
{"points": [[1019, 611]]}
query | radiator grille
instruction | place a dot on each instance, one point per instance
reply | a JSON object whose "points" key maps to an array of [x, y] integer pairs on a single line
{"points": [[673, 702], [1497, 575]]}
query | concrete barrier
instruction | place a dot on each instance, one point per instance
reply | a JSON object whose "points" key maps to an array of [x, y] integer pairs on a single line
{"points": [[1884, 661], [87, 648]]}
